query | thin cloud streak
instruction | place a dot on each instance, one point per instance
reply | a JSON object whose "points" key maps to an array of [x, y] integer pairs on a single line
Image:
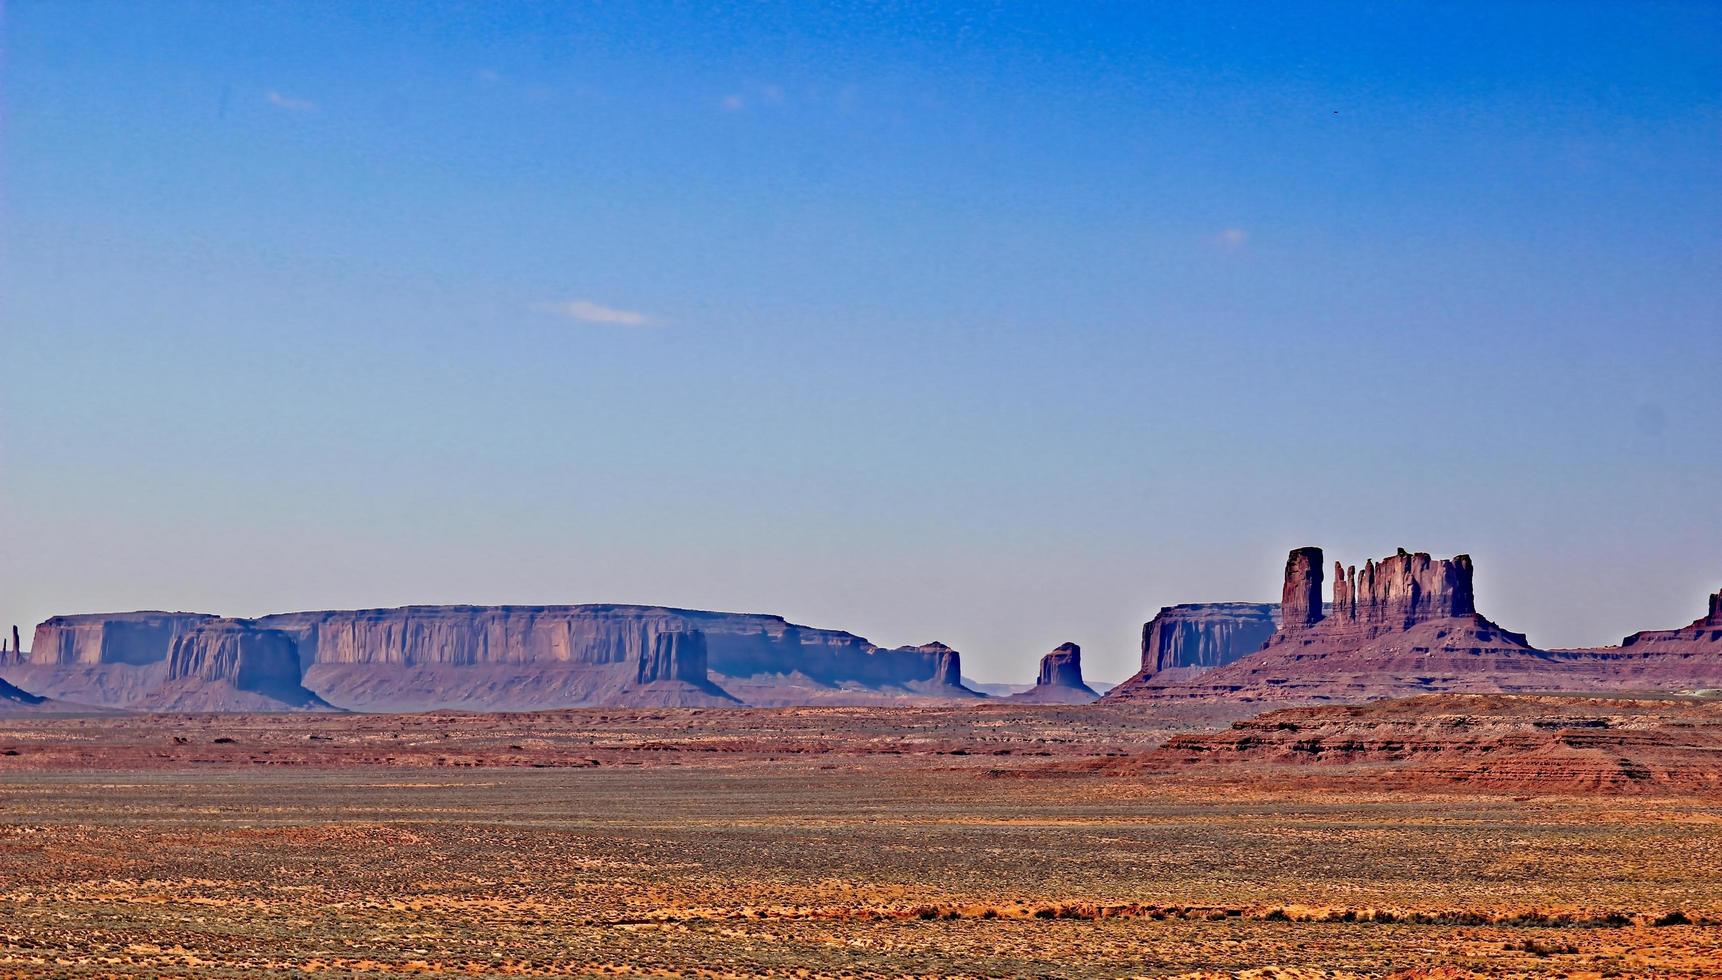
{"points": [[1232, 238], [587, 311], [289, 103]]}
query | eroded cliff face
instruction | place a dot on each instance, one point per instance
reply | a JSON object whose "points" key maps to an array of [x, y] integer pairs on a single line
{"points": [[1205, 635], [677, 655], [1184, 641], [1062, 667], [231, 665]]}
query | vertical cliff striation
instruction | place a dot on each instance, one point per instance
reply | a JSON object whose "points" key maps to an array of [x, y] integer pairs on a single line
{"points": [[1403, 590], [1200, 636], [231, 665], [676, 655]]}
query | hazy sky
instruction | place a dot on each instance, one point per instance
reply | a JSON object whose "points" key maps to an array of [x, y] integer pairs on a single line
{"points": [[997, 325]]}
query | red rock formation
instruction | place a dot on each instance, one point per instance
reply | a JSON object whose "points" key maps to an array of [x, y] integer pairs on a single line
{"points": [[1688, 658], [1300, 599], [1403, 590], [1060, 680], [1406, 624]]}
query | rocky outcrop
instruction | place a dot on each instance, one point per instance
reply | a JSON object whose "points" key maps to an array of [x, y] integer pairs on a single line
{"points": [[1402, 591], [1300, 598], [16, 700], [231, 665], [1060, 680], [1405, 625], [1185, 641]]}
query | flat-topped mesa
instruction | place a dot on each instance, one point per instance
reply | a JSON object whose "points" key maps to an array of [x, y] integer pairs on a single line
{"points": [[107, 638], [1201, 635], [1714, 619], [676, 654], [1300, 599], [1404, 590]]}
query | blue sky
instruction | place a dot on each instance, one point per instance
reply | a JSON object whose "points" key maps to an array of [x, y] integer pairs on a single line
{"points": [[999, 325]]}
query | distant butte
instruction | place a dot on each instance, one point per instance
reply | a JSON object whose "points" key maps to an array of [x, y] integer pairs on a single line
{"points": [[1060, 680]]}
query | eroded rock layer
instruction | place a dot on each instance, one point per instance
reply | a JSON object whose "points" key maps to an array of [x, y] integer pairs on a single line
{"points": [[1512, 743], [1688, 658]]}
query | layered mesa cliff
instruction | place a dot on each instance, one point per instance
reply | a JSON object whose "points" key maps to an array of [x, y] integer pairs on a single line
{"points": [[1060, 680], [1184, 641], [1688, 658], [473, 657]]}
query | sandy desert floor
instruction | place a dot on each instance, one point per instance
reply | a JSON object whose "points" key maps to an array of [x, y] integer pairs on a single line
{"points": [[837, 843]]}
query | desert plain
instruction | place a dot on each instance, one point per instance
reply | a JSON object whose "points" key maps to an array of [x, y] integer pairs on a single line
{"points": [[990, 840]]}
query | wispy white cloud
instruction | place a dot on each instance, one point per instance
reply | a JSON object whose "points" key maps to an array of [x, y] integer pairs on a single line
{"points": [[1232, 238], [587, 311], [752, 96], [289, 103]]}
